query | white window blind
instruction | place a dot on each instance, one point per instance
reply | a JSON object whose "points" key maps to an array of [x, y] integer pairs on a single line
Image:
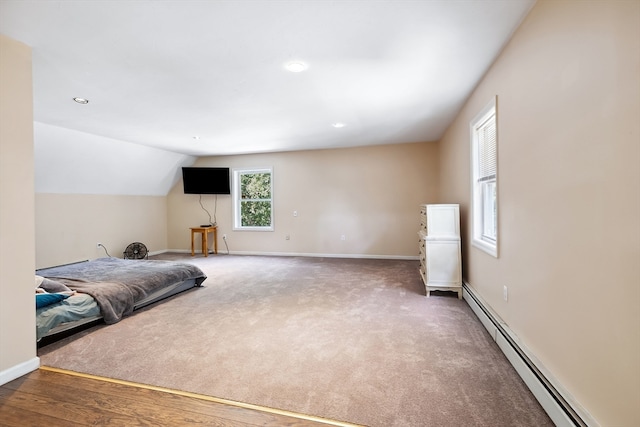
{"points": [[487, 149]]}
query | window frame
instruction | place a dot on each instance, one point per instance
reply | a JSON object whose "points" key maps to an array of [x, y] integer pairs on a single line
{"points": [[481, 213], [237, 199]]}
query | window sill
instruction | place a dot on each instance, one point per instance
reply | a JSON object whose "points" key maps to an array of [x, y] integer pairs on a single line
{"points": [[252, 228], [486, 247]]}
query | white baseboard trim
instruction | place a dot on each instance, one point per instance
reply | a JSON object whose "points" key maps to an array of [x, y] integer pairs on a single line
{"points": [[290, 254], [316, 255], [19, 370], [554, 399], [151, 253]]}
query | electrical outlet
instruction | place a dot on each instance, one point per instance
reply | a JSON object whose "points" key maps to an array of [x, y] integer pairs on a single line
{"points": [[224, 237], [295, 213], [343, 237], [287, 237], [505, 293], [98, 245]]}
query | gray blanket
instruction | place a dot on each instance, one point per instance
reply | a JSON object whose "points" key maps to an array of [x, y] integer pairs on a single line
{"points": [[118, 284]]}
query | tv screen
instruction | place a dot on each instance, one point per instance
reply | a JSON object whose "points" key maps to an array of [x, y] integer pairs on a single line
{"points": [[206, 180]]}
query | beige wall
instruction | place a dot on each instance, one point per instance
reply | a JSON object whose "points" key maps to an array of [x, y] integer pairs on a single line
{"points": [[370, 195], [568, 88], [17, 247], [68, 226]]}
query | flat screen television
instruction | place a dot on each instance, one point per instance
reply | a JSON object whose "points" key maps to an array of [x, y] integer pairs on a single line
{"points": [[206, 180]]}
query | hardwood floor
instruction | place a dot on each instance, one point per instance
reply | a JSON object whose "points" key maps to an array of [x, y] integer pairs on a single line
{"points": [[55, 398]]}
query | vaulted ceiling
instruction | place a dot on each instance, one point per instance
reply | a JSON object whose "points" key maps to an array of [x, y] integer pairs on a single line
{"points": [[209, 78]]}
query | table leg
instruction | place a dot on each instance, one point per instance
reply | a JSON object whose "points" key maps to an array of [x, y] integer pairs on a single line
{"points": [[192, 248], [215, 240], [205, 243]]}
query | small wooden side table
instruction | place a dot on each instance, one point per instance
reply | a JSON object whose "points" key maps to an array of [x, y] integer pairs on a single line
{"points": [[204, 231]]}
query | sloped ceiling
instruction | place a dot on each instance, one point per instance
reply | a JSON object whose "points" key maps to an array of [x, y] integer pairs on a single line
{"points": [[73, 162], [160, 73]]}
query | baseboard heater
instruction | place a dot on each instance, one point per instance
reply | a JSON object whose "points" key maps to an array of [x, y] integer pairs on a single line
{"points": [[561, 412]]}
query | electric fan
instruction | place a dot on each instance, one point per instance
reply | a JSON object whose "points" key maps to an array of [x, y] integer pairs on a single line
{"points": [[136, 250]]}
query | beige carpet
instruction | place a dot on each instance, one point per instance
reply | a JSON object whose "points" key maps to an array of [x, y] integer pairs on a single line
{"points": [[345, 339]]}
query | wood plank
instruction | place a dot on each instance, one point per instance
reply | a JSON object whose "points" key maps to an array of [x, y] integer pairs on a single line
{"points": [[121, 405], [11, 416], [85, 410], [140, 394], [49, 397], [236, 411]]}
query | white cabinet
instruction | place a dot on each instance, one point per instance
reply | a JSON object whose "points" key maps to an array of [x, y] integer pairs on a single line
{"points": [[439, 246]]}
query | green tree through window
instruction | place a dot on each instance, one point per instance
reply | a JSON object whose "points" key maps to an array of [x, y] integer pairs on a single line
{"points": [[253, 199], [255, 190]]}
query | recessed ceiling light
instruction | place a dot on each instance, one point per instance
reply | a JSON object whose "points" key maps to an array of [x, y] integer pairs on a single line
{"points": [[296, 66], [338, 125], [81, 100]]}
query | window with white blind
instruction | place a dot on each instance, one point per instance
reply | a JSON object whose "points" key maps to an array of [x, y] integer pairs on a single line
{"points": [[484, 172]]}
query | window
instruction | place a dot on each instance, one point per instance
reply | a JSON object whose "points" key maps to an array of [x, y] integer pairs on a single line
{"points": [[484, 172], [253, 199]]}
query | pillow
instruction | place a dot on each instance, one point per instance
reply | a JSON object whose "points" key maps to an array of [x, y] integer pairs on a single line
{"points": [[52, 286], [43, 300]]}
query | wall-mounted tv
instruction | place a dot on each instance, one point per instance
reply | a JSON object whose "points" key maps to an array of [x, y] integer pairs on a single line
{"points": [[206, 180]]}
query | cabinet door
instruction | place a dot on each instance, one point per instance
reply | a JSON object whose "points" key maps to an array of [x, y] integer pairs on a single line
{"points": [[443, 221], [443, 263]]}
